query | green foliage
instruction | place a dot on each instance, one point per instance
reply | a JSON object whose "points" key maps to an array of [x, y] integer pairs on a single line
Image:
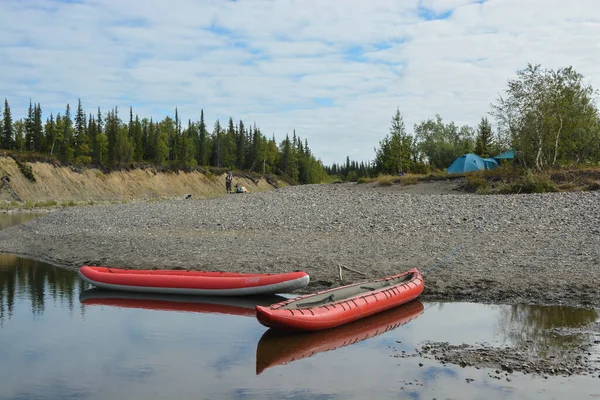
{"points": [[48, 203], [511, 180], [67, 149], [25, 170], [476, 182], [83, 160], [7, 128], [550, 118], [530, 183], [106, 142], [441, 143], [296, 162], [484, 140], [396, 153]]}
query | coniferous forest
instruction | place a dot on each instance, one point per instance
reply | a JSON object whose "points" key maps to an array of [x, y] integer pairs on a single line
{"points": [[109, 141], [548, 117]]}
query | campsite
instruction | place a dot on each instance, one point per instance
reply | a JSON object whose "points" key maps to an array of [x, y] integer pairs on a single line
{"points": [[282, 199], [472, 162]]}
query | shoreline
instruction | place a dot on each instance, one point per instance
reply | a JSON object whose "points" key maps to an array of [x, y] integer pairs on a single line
{"points": [[514, 249], [502, 249]]}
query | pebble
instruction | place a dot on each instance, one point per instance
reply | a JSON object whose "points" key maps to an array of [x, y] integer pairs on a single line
{"points": [[532, 249]]}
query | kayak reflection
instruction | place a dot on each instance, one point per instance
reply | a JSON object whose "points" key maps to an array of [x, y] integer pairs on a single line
{"points": [[242, 306], [277, 348]]}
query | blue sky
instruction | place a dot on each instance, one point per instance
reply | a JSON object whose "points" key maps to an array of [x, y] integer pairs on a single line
{"points": [[334, 70]]}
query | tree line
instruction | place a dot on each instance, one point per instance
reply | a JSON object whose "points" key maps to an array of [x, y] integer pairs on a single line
{"points": [[548, 117], [106, 140]]}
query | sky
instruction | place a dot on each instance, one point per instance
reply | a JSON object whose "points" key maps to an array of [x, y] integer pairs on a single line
{"points": [[335, 71]]}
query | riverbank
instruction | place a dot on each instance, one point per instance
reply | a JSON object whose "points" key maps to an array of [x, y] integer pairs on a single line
{"points": [[517, 249], [47, 185]]}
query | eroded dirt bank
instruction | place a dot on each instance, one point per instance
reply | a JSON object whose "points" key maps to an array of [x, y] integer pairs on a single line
{"points": [[57, 183]]}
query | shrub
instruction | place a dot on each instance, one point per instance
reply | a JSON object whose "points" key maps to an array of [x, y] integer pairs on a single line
{"points": [[537, 183], [409, 180], [475, 181], [25, 170], [83, 160]]}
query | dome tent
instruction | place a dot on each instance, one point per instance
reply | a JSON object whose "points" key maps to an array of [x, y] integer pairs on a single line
{"points": [[490, 163], [467, 163]]}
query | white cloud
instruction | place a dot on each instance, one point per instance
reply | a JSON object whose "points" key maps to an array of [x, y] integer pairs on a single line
{"points": [[277, 63]]}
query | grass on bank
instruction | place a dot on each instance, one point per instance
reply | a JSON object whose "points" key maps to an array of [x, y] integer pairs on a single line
{"points": [[408, 179], [506, 179], [27, 205], [513, 180]]}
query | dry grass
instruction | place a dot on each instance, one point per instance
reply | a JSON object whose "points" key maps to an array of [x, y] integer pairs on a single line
{"points": [[408, 179], [507, 180], [63, 185]]}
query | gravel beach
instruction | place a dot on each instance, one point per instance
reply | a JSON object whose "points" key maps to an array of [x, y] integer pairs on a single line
{"points": [[513, 249]]}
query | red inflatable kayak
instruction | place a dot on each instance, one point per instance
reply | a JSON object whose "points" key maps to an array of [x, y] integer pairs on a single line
{"points": [[339, 306], [239, 306], [276, 348], [192, 282]]}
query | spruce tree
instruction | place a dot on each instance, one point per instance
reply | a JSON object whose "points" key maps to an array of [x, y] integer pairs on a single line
{"points": [[50, 131], [7, 127], [81, 140], [67, 147], [29, 128], [241, 145], [38, 129], [138, 140], [217, 138], [202, 136], [484, 138]]}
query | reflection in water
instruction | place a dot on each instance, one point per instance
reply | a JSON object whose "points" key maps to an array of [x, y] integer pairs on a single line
{"points": [[277, 348], [7, 220], [241, 306], [529, 325], [145, 346], [35, 281]]}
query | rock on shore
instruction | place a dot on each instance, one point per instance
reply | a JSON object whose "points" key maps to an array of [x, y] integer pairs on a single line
{"points": [[534, 249]]}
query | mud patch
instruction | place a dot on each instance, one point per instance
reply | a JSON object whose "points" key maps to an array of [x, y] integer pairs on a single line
{"points": [[528, 358]]}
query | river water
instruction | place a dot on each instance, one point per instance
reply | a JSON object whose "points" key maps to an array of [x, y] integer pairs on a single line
{"points": [[60, 339]]}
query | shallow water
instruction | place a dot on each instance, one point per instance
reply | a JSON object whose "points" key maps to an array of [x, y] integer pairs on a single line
{"points": [[7, 220], [59, 339]]}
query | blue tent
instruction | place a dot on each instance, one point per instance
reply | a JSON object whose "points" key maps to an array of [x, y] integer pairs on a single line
{"points": [[490, 163], [466, 163], [507, 155]]}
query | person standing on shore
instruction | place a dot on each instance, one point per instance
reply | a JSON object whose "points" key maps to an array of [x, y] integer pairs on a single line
{"points": [[228, 180]]}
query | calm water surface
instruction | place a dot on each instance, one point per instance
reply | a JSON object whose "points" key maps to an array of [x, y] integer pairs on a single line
{"points": [[61, 340]]}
